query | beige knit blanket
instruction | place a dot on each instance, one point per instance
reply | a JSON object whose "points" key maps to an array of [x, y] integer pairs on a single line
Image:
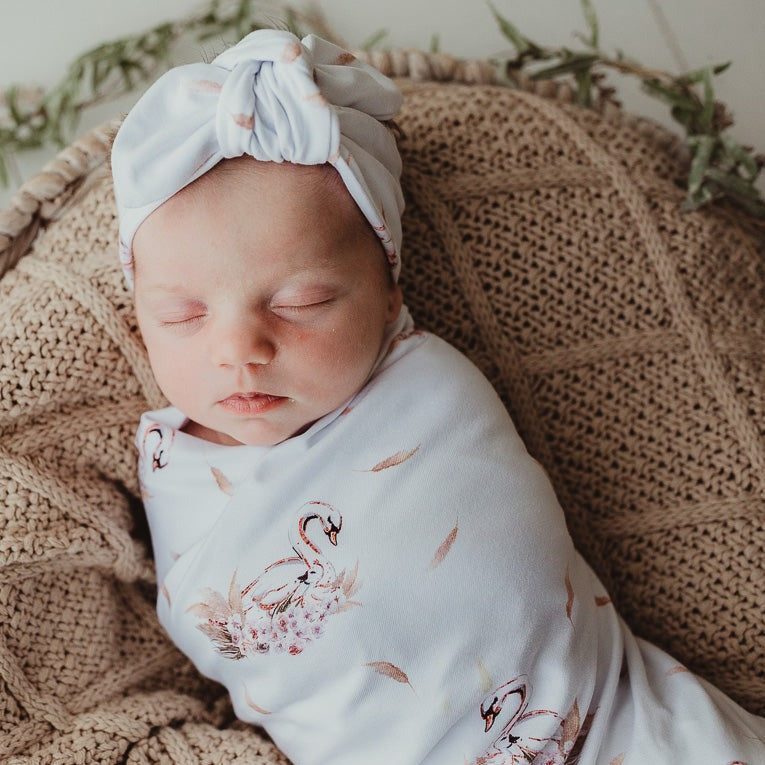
{"points": [[626, 338]]}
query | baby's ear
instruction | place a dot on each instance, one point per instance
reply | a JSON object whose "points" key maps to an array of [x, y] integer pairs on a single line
{"points": [[395, 301]]}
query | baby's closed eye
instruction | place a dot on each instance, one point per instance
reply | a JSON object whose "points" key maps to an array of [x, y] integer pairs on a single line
{"points": [[183, 321], [303, 301], [181, 315]]}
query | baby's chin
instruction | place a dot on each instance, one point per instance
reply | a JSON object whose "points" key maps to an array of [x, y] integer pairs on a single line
{"points": [[208, 434], [240, 437]]}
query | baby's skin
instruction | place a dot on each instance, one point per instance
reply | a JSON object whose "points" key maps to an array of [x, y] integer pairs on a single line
{"points": [[262, 295]]}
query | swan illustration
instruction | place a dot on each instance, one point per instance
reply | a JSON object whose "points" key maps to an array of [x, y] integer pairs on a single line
{"points": [[287, 605], [507, 705], [307, 574], [162, 442]]}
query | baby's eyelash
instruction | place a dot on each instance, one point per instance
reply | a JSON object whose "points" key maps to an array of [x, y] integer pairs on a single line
{"points": [[182, 322], [303, 306]]}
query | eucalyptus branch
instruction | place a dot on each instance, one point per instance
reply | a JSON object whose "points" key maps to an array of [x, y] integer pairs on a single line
{"points": [[31, 118], [720, 167]]}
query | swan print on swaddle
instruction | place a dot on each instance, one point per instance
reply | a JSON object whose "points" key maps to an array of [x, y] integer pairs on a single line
{"points": [[157, 440], [505, 710], [286, 607]]}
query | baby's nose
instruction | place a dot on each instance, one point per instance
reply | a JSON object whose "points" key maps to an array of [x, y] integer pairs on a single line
{"points": [[243, 342]]}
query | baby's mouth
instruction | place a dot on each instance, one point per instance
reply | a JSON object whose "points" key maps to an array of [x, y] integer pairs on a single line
{"points": [[251, 402]]}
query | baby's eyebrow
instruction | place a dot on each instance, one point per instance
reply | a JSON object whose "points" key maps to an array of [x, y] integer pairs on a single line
{"points": [[166, 287]]}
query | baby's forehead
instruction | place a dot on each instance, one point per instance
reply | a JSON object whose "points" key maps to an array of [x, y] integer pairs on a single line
{"points": [[302, 215], [295, 195], [258, 177]]}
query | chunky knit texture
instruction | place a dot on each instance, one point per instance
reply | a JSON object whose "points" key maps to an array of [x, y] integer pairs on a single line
{"points": [[627, 340]]}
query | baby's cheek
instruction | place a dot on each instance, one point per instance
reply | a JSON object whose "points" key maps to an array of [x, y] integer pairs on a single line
{"points": [[357, 354], [336, 360], [171, 369]]}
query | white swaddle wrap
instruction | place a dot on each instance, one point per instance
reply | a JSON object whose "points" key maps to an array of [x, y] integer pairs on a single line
{"points": [[278, 99], [396, 585]]}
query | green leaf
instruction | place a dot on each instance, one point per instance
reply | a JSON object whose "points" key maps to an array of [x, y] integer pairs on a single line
{"points": [[703, 146], [521, 43], [705, 119], [697, 75], [733, 183], [374, 39], [5, 179], [127, 80], [683, 116], [578, 64], [701, 197], [741, 156], [584, 87], [98, 74], [592, 22], [739, 190], [11, 96], [673, 97], [435, 43]]}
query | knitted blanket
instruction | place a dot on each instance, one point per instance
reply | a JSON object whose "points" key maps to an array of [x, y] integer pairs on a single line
{"points": [[627, 340]]}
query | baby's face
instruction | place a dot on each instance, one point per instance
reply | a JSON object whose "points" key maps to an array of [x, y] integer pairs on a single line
{"points": [[263, 296]]}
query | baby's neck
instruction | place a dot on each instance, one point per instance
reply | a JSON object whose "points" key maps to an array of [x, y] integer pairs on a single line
{"points": [[207, 434]]}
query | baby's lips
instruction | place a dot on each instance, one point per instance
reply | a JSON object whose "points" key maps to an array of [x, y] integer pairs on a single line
{"points": [[251, 403], [251, 396]]}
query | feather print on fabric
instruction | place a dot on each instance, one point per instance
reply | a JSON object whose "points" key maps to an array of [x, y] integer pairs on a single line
{"points": [[395, 459], [486, 682], [286, 607], [252, 705], [205, 86], [573, 734], [443, 549], [570, 596], [392, 671], [344, 59], [223, 483], [245, 121]]}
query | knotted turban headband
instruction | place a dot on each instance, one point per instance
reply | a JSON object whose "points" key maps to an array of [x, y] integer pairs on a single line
{"points": [[278, 99]]}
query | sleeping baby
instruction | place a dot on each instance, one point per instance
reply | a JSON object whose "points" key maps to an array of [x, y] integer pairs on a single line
{"points": [[349, 533]]}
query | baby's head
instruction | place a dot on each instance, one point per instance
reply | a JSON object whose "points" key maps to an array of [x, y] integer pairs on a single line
{"points": [[264, 272]]}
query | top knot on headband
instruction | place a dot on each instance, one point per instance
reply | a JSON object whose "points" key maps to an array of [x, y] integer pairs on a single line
{"points": [[276, 98]]}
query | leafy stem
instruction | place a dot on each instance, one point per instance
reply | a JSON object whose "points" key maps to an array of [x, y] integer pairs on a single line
{"points": [[31, 118], [720, 167]]}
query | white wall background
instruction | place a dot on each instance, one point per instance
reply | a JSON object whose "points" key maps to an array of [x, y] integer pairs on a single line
{"points": [[38, 38]]}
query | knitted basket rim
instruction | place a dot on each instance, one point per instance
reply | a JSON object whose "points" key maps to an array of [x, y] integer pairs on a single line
{"points": [[46, 195]]}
